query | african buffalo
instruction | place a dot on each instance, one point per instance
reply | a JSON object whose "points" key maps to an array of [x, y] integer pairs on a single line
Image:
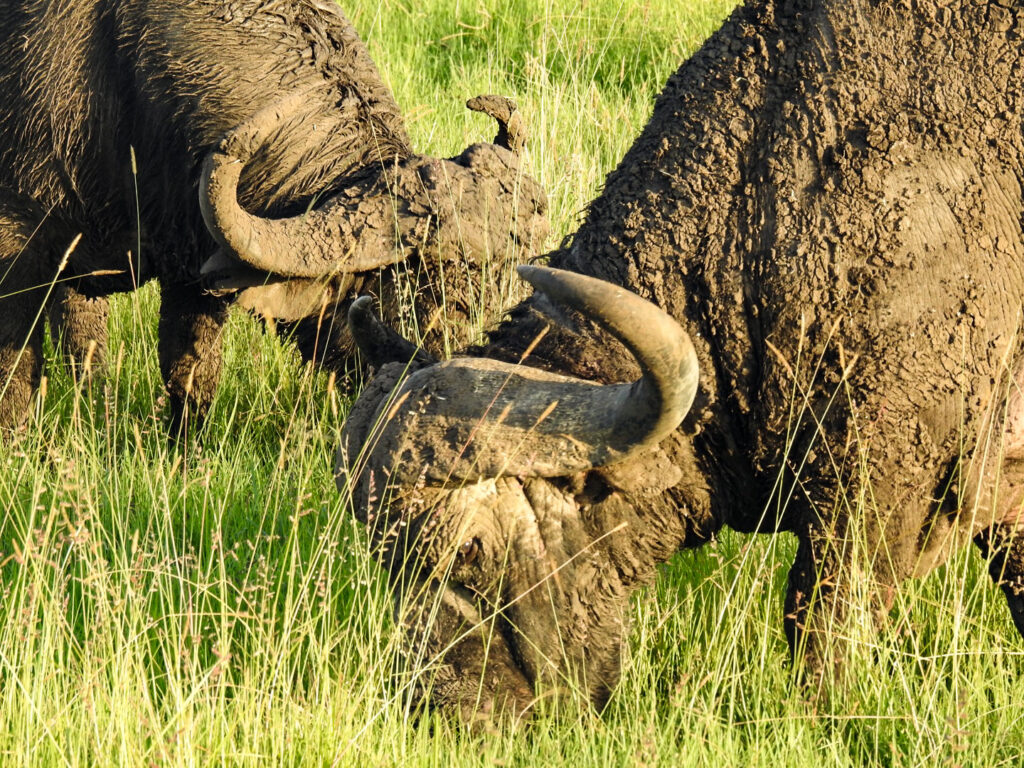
{"points": [[826, 206], [241, 146]]}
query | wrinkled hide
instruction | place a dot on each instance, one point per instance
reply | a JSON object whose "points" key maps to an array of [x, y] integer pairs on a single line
{"points": [[827, 199]]}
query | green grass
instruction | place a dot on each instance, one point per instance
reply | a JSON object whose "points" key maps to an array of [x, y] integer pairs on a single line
{"points": [[216, 605]]}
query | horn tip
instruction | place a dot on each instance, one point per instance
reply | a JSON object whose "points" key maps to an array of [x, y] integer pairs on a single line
{"points": [[529, 272], [554, 282]]}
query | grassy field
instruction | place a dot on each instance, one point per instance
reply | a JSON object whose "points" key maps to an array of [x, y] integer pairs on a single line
{"points": [[215, 605]]}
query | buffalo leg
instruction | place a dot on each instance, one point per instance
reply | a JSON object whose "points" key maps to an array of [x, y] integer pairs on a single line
{"points": [[190, 356], [1003, 548], [22, 272], [994, 493], [78, 326], [814, 605], [854, 551], [21, 355], [1001, 541]]}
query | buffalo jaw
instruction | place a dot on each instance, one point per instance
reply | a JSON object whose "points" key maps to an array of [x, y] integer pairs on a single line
{"points": [[466, 473]]}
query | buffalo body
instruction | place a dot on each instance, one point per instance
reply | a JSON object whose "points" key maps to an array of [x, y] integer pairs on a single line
{"points": [[231, 145], [828, 200]]}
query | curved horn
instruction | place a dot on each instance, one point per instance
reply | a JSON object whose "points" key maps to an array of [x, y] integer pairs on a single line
{"points": [[477, 203], [511, 128], [659, 400], [348, 233], [356, 230], [473, 418]]}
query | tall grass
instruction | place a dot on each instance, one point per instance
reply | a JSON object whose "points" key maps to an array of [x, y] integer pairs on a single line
{"points": [[214, 604]]}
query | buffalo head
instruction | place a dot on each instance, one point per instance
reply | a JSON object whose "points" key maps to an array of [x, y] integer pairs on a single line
{"points": [[491, 495], [473, 210]]}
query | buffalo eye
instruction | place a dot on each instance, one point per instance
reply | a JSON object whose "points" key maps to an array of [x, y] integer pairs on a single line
{"points": [[469, 550]]}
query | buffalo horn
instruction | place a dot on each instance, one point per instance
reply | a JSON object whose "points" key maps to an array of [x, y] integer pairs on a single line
{"points": [[473, 418], [332, 238], [650, 408], [511, 126]]}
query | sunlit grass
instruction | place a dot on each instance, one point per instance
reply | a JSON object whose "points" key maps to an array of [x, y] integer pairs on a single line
{"points": [[216, 604]]}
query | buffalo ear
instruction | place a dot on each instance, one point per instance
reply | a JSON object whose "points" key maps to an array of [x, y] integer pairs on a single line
{"points": [[380, 344]]}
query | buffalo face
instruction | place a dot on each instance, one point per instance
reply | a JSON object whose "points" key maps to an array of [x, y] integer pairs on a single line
{"points": [[485, 490]]}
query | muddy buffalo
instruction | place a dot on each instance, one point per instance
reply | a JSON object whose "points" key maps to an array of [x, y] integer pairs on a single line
{"points": [[826, 207], [242, 146]]}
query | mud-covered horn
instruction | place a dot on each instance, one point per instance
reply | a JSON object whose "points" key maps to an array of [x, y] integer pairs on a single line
{"points": [[471, 418], [649, 409], [511, 127], [337, 236]]}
